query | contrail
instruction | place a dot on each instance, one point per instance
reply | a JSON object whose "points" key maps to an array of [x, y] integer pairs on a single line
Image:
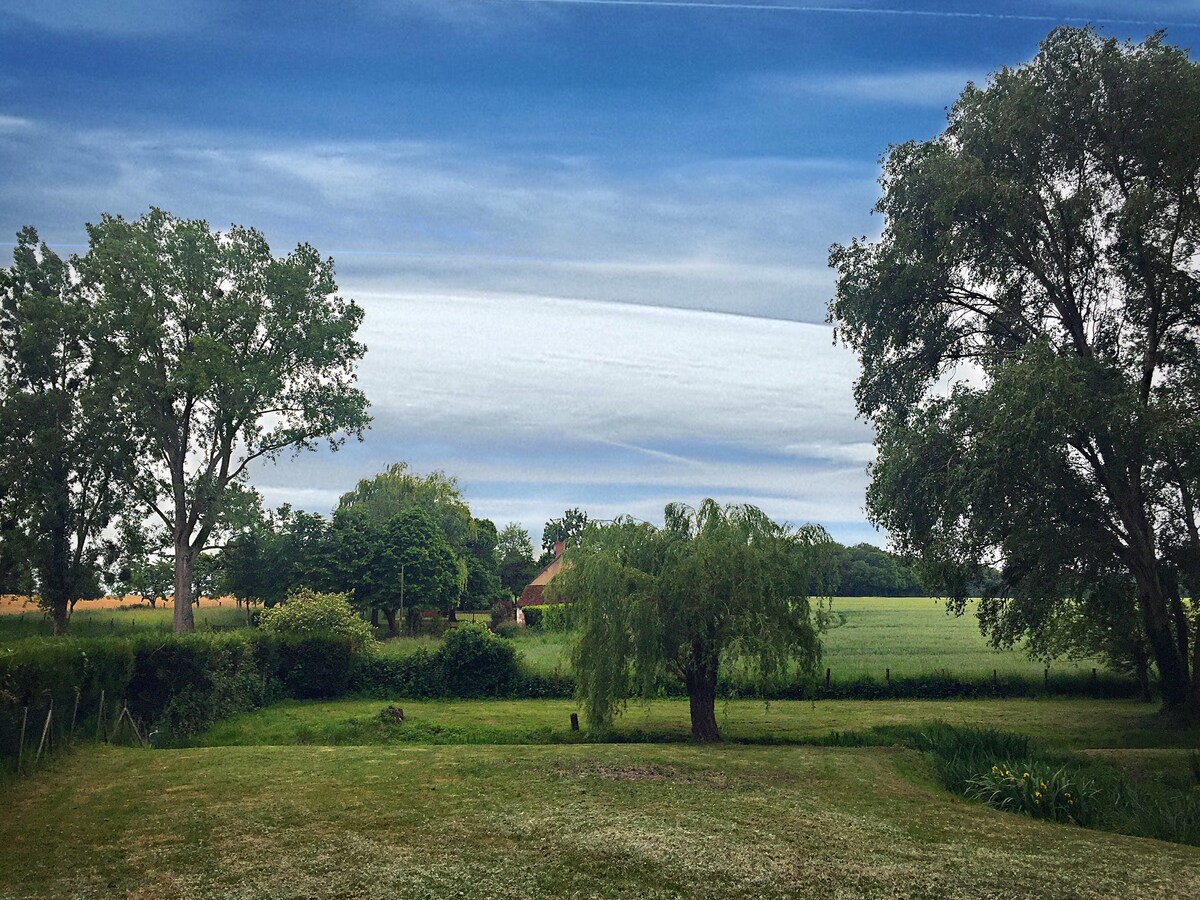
{"points": [[854, 10]]}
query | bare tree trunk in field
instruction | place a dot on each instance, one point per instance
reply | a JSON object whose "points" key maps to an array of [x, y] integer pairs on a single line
{"points": [[184, 621], [702, 697]]}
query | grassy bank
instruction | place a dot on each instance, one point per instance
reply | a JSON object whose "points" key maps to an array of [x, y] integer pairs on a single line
{"points": [[1064, 725]]}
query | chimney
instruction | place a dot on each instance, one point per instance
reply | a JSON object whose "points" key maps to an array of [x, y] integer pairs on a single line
{"points": [[558, 549]]}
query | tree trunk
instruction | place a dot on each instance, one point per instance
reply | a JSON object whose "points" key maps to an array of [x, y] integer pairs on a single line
{"points": [[1172, 670], [60, 617], [184, 622], [390, 615], [702, 697], [374, 617]]}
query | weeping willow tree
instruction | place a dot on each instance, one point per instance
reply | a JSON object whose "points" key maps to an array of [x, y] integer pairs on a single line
{"points": [[715, 585]]}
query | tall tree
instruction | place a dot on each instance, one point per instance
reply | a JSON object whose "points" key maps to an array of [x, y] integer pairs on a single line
{"points": [[401, 566], [220, 354], [66, 452], [1041, 253], [483, 587], [714, 584], [568, 529], [515, 550], [398, 489]]}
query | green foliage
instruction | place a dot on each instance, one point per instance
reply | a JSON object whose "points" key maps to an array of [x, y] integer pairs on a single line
{"points": [[509, 629], [515, 552], [307, 613], [471, 662], [569, 529], [276, 554], [717, 584], [252, 354], [1045, 241], [1060, 795], [476, 663], [67, 454], [549, 617], [864, 570]]}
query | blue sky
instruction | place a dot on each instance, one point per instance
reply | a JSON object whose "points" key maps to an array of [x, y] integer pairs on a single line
{"points": [[590, 237]]}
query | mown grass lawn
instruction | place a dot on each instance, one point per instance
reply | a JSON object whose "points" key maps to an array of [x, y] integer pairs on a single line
{"points": [[1057, 724], [544, 821]]}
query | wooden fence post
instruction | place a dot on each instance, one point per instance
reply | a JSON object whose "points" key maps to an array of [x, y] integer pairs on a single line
{"points": [[827, 674], [21, 746], [100, 716], [71, 736], [887, 674], [45, 731]]}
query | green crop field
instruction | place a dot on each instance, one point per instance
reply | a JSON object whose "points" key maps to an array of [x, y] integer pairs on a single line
{"points": [[867, 636], [89, 622], [274, 819]]}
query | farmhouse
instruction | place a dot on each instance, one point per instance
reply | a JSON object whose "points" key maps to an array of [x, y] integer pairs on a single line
{"points": [[532, 595]]}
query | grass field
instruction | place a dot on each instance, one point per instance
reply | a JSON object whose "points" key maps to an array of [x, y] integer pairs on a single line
{"points": [[1058, 724], [869, 635], [529, 821], [31, 622], [909, 636]]}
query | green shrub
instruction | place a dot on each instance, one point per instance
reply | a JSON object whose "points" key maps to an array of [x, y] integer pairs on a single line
{"points": [[509, 629], [314, 665], [502, 611], [475, 663], [307, 612], [550, 617]]}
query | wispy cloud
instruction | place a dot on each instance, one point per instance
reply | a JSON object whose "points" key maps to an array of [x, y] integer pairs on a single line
{"points": [[916, 88], [496, 350], [742, 236], [1118, 15], [539, 404], [14, 123]]}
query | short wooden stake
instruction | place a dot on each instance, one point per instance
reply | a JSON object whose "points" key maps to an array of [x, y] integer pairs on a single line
{"points": [[100, 716], [1093, 676], [21, 746], [887, 674], [995, 678], [1046, 677], [74, 714], [827, 674], [574, 721], [45, 732]]}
